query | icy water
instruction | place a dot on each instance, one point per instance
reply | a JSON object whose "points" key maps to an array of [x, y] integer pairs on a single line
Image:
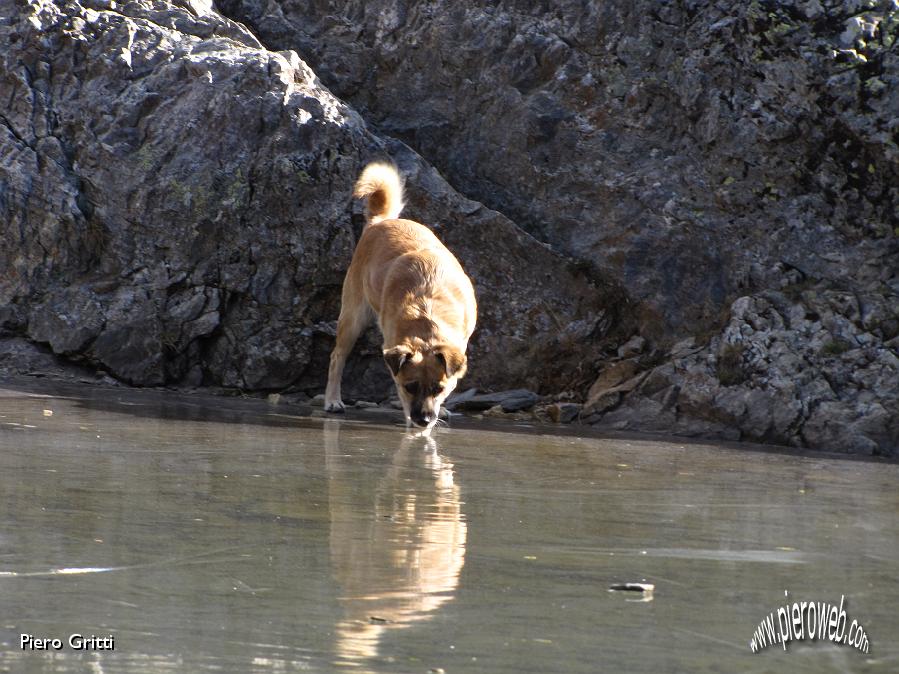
{"points": [[198, 534]]}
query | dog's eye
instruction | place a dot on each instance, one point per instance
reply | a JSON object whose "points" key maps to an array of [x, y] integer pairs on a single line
{"points": [[436, 390], [411, 388]]}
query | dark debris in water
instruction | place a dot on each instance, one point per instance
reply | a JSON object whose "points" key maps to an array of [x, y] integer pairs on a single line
{"points": [[632, 587]]}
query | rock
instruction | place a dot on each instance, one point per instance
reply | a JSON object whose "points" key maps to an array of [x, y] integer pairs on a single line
{"points": [[176, 204], [683, 347], [603, 402], [456, 398], [658, 380], [633, 347], [563, 413], [132, 351], [830, 426], [19, 356], [777, 374], [495, 412], [612, 375], [67, 320], [540, 413], [509, 401], [603, 398], [646, 588]]}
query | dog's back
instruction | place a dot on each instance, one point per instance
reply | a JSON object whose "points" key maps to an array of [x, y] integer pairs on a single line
{"points": [[403, 259]]}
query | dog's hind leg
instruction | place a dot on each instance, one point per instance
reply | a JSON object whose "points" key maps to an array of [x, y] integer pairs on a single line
{"points": [[355, 316]]}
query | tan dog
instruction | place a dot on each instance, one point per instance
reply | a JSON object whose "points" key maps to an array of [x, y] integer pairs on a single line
{"points": [[424, 302]]}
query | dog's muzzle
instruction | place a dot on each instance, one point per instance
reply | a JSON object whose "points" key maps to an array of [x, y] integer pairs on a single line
{"points": [[422, 419]]}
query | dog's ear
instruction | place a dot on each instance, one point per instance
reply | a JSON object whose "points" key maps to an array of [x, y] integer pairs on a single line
{"points": [[395, 357], [454, 361]]}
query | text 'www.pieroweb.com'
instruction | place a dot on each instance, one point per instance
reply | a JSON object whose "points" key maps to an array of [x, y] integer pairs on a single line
{"points": [[809, 621]]}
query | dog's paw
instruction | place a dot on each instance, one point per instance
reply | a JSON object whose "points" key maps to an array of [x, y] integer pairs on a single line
{"points": [[335, 406]]}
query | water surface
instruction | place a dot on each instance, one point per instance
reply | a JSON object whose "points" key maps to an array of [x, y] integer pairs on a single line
{"points": [[211, 534]]}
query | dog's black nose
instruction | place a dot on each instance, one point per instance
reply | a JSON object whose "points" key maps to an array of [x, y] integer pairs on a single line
{"points": [[422, 418]]}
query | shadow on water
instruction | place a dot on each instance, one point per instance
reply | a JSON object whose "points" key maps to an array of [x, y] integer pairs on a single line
{"points": [[157, 404], [230, 409]]}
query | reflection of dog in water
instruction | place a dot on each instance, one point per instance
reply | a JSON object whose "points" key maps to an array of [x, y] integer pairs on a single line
{"points": [[425, 305], [397, 537]]}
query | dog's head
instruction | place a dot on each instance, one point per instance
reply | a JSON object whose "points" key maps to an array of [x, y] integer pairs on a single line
{"points": [[424, 377]]}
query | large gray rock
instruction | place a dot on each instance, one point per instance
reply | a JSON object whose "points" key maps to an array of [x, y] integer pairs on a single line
{"points": [[793, 371], [510, 401], [176, 208]]}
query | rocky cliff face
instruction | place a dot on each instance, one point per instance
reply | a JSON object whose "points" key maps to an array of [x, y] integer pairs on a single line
{"points": [[176, 204], [696, 151], [720, 177]]}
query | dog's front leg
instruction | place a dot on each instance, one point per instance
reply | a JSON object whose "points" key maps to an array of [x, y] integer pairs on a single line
{"points": [[355, 316], [333, 402]]}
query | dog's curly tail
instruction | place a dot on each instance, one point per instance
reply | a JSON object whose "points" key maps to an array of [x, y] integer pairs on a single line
{"points": [[380, 184]]}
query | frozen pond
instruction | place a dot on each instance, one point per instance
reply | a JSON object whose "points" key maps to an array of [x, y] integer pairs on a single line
{"points": [[206, 534]]}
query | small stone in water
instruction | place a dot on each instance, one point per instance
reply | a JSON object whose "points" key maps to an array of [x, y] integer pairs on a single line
{"points": [[632, 587]]}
